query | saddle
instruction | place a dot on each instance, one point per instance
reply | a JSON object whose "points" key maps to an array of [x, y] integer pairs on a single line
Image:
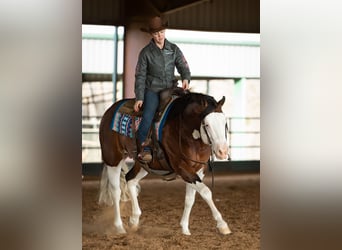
{"points": [[129, 121], [165, 97]]}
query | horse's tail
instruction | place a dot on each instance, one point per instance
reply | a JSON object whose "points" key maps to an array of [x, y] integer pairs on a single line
{"points": [[125, 196], [106, 195]]}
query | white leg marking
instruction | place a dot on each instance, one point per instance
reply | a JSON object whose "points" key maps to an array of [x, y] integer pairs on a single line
{"points": [[200, 174], [206, 194], [114, 179], [132, 187], [189, 202], [123, 183]]}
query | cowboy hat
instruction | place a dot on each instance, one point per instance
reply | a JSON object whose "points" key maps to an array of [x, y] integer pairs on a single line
{"points": [[155, 24]]}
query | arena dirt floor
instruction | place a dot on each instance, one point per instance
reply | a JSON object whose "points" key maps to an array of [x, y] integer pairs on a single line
{"points": [[235, 195]]}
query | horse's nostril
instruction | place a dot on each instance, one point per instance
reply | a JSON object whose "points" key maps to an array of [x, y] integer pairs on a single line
{"points": [[222, 152]]}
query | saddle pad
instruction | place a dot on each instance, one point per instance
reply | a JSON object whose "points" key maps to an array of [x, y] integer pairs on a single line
{"points": [[123, 122]]}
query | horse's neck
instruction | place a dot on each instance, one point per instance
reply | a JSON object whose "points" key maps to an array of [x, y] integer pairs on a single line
{"points": [[189, 123]]}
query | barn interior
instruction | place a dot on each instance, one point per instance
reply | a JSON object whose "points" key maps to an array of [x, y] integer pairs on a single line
{"points": [[235, 184], [232, 16]]}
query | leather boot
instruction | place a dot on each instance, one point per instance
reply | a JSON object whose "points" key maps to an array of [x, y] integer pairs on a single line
{"points": [[145, 152]]}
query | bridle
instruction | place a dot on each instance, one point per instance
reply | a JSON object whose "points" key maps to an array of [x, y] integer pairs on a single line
{"points": [[205, 129], [205, 126]]}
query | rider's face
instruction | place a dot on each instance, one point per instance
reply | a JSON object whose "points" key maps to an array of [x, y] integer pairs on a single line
{"points": [[159, 36]]}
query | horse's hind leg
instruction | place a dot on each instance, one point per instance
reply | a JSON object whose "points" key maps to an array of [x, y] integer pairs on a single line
{"points": [[132, 188], [189, 202], [113, 174]]}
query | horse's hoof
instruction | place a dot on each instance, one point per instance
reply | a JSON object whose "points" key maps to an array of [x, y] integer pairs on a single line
{"points": [[134, 228], [121, 230], [224, 230], [186, 232], [133, 224]]}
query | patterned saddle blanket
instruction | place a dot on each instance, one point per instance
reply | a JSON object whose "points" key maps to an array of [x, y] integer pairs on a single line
{"points": [[126, 122]]}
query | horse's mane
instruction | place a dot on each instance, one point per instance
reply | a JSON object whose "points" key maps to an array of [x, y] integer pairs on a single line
{"points": [[180, 104]]}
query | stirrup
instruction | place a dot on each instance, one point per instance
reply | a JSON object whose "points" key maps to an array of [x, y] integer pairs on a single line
{"points": [[145, 156]]}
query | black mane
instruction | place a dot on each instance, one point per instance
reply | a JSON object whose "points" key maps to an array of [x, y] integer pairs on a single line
{"points": [[182, 102]]}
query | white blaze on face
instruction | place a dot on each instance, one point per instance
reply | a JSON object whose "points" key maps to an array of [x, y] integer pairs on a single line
{"points": [[215, 128]]}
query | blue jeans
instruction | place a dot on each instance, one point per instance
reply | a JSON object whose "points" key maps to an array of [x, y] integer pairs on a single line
{"points": [[150, 106]]}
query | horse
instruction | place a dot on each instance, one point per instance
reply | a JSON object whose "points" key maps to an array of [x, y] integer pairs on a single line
{"points": [[194, 130]]}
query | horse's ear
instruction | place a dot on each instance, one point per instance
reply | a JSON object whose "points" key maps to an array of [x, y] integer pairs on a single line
{"points": [[221, 102]]}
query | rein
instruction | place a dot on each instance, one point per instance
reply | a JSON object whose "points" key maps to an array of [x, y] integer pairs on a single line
{"points": [[188, 158]]}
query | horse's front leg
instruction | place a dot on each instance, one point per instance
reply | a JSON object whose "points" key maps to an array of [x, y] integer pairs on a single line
{"points": [[206, 194], [189, 202], [132, 188]]}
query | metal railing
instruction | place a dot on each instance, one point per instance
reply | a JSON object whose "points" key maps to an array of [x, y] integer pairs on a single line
{"points": [[230, 119], [90, 128]]}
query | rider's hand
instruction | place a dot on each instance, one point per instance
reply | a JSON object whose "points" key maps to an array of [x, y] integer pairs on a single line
{"points": [[185, 84], [137, 105]]}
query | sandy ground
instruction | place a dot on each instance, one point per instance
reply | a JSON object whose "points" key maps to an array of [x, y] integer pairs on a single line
{"points": [[236, 197]]}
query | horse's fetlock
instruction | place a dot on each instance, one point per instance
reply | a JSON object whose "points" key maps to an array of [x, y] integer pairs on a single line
{"points": [[134, 220], [184, 224], [136, 214], [221, 222]]}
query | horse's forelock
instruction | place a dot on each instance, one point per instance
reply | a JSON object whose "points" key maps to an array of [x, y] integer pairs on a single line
{"points": [[211, 106]]}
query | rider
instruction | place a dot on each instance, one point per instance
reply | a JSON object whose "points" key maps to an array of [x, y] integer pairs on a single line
{"points": [[155, 72]]}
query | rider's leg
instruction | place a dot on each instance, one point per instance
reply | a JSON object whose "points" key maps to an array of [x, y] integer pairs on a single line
{"points": [[150, 106]]}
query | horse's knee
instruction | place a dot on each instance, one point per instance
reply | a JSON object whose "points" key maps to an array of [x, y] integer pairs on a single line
{"points": [[205, 193], [189, 200], [116, 192], [132, 184]]}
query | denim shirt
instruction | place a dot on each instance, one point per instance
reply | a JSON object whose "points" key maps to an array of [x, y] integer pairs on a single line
{"points": [[155, 68]]}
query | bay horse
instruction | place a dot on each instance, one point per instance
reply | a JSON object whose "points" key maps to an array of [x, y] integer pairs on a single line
{"points": [[194, 130]]}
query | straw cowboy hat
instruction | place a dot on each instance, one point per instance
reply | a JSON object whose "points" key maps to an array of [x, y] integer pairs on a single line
{"points": [[155, 24]]}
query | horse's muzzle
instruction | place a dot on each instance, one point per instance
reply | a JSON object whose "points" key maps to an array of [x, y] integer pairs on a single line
{"points": [[221, 152]]}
